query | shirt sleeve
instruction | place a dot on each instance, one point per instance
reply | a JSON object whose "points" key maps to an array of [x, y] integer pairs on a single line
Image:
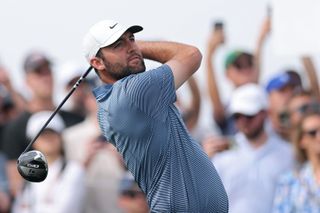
{"points": [[152, 91]]}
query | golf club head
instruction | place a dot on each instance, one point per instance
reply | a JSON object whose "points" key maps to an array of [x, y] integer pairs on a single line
{"points": [[33, 166]]}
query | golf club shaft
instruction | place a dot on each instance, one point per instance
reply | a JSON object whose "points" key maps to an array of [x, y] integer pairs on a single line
{"points": [[58, 108]]}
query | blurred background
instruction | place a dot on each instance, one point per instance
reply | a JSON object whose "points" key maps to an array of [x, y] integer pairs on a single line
{"points": [[254, 41], [57, 28]]}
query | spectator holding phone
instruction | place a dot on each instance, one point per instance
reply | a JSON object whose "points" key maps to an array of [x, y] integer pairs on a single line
{"points": [[240, 68]]}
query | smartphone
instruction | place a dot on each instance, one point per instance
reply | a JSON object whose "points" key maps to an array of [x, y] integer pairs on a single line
{"points": [[217, 25], [269, 10]]}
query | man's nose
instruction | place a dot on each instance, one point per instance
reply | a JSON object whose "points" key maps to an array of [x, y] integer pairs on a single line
{"points": [[131, 46]]}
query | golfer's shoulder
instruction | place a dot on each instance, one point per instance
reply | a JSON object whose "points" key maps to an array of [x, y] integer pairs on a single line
{"points": [[151, 78]]}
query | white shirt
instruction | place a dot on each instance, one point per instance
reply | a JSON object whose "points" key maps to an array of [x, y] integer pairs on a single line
{"points": [[60, 192], [250, 174]]}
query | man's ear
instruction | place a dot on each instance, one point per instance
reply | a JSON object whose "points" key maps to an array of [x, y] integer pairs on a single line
{"points": [[97, 63]]}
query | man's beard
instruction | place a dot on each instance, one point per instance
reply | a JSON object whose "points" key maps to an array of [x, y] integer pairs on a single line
{"points": [[117, 71], [253, 134]]}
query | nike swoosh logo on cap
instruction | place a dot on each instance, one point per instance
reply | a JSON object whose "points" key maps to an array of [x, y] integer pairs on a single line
{"points": [[111, 27]]}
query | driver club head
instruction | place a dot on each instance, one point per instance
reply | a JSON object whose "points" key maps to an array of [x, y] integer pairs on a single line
{"points": [[33, 166]]}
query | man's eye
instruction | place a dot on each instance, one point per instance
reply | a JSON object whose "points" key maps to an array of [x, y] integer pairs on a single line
{"points": [[117, 44]]}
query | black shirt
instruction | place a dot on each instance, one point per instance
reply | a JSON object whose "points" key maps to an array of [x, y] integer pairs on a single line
{"points": [[14, 139]]}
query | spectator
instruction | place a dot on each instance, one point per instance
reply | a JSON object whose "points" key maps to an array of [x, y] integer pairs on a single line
{"points": [[131, 198], [299, 190], [239, 68], [105, 171], [250, 168], [39, 79], [8, 110], [63, 190], [11, 103], [69, 74], [300, 103], [18, 103], [280, 88]]}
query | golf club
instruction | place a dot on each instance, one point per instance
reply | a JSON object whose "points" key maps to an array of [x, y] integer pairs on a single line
{"points": [[32, 165]]}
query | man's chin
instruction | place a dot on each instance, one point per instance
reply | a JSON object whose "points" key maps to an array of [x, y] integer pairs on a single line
{"points": [[139, 69]]}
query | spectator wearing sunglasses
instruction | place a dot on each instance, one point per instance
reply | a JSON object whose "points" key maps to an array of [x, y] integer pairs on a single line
{"points": [[299, 190], [239, 69], [280, 89], [299, 103], [284, 84], [249, 170]]}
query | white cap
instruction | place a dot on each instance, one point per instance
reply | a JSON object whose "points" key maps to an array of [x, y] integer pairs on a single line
{"points": [[37, 120], [103, 34], [248, 99]]}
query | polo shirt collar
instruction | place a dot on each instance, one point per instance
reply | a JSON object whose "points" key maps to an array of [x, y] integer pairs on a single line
{"points": [[102, 92]]}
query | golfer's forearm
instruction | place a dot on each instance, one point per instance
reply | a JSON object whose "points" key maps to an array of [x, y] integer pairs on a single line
{"points": [[164, 51]]}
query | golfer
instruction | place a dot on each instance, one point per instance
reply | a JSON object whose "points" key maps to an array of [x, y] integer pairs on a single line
{"points": [[138, 116]]}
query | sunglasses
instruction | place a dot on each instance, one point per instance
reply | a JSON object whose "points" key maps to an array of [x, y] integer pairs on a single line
{"points": [[311, 107], [132, 193], [237, 116], [312, 132]]}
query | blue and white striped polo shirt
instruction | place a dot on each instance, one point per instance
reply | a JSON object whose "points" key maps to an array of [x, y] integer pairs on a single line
{"points": [[138, 116]]}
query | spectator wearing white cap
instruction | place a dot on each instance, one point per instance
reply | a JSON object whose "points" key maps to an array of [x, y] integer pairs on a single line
{"points": [[69, 73], [63, 190], [239, 68], [250, 169], [39, 80]]}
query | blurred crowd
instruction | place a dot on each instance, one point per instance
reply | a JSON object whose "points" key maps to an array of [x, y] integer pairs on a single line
{"points": [[266, 148]]}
